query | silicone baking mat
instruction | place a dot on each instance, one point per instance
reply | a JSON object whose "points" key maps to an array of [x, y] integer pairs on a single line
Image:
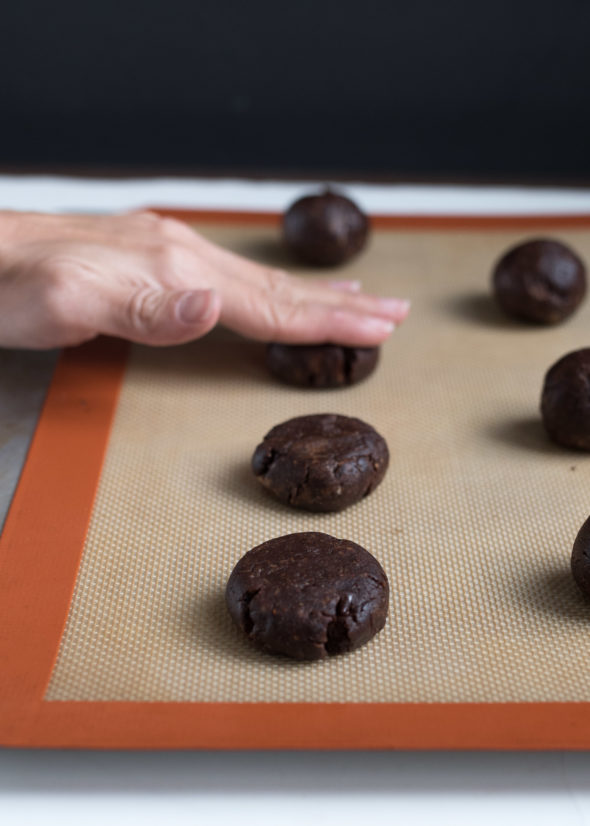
{"points": [[113, 629]]}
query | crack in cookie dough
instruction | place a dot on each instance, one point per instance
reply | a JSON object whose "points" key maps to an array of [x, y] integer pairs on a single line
{"points": [[322, 463], [320, 365], [308, 595]]}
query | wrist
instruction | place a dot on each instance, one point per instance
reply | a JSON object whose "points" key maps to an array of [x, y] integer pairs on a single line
{"points": [[17, 229], [9, 224], [8, 232]]}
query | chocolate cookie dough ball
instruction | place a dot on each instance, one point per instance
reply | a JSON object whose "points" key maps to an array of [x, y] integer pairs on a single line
{"points": [[308, 595], [325, 230], [321, 365], [565, 400], [581, 558], [321, 463], [542, 281]]}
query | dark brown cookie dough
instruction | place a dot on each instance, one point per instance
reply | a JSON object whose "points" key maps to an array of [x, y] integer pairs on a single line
{"points": [[543, 281], [325, 230], [321, 365], [321, 463], [308, 595], [581, 558], [565, 400]]}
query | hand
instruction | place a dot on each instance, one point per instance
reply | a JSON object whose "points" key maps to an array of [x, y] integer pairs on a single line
{"points": [[65, 279]]}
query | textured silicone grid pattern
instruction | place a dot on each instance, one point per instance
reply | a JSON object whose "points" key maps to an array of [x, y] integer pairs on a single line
{"points": [[473, 523]]}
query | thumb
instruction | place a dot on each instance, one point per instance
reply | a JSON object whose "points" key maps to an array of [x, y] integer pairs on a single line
{"points": [[160, 317]]}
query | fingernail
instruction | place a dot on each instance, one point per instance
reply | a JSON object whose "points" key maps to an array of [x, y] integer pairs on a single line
{"points": [[379, 325], [395, 305], [193, 306], [349, 286]]}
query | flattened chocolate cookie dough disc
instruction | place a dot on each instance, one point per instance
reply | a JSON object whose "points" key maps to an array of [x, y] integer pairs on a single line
{"points": [[308, 595], [324, 462], [581, 558], [543, 281], [325, 230], [565, 400], [321, 365]]}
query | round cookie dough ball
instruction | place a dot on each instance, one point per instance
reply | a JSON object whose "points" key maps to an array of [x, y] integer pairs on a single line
{"points": [[542, 281], [308, 595], [325, 230], [321, 365], [322, 463], [565, 400], [581, 558]]}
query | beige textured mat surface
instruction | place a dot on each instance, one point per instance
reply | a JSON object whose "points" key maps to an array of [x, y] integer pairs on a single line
{"points": [[473, 523]]}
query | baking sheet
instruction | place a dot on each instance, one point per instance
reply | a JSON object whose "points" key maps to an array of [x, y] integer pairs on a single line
{"points": [[474, 522], [113, 632]]}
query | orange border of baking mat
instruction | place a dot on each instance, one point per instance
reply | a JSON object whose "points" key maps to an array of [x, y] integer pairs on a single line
{"points": [[40, 552]]}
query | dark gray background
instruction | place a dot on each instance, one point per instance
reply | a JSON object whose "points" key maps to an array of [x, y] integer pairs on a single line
{"points": [[439, 89]]}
